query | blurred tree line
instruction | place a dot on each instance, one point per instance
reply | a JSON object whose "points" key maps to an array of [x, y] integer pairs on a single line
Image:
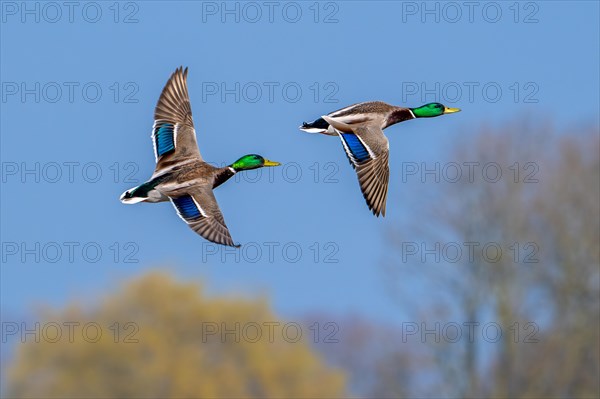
{"points": [[159, 338], [543, 291]]}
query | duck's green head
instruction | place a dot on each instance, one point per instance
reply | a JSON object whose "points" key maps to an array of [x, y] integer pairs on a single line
{"points": [[432, 109], [252, 161]]}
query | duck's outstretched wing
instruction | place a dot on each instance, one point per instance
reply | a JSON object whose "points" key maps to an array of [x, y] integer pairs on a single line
{"points": [[173, 133], [367, 149], [199, 209]]}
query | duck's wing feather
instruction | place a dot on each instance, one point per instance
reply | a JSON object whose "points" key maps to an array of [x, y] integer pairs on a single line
{"points": [[199, 209], [367, 149], [173, 133]]}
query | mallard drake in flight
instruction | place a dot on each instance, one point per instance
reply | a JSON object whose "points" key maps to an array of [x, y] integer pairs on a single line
{"points": [[360, 127], [181, 175]]}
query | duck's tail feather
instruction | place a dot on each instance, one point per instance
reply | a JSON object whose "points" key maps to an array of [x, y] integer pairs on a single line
{"points": [[143, 193], [318, 126]]}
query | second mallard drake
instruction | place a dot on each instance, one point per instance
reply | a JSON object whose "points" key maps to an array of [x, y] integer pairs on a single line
{"points": [[360, 127], [181, 175]]}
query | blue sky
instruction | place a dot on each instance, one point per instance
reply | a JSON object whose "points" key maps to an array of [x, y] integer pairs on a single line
{"points": [[545, 65]]}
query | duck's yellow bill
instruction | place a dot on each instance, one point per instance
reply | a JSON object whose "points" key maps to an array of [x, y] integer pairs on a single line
{"points": [[448, 110], [271, 163]]}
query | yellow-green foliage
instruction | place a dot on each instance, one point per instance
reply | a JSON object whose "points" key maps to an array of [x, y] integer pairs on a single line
{"points": [[167, 350]]}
